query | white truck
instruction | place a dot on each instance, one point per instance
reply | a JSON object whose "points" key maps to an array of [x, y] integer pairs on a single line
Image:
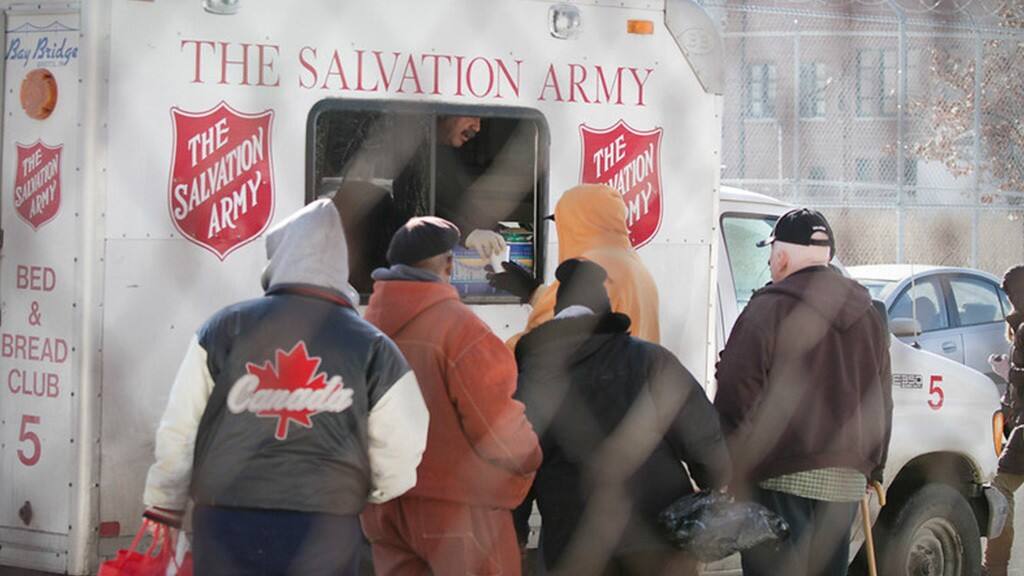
{"points": [[147, 145]]}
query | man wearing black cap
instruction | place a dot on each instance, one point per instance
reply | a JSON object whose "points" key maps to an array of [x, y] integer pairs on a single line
{"points": [[805, 398], [617, 417], [481, 451]]}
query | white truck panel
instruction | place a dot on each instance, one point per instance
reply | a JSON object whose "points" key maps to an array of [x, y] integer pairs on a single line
{"points": [[39, 288], [158, 294], [160, 286], [934, 398]]}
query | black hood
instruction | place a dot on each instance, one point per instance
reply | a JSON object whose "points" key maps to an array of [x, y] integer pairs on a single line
{"points": [[574, 338], [838, 299]]}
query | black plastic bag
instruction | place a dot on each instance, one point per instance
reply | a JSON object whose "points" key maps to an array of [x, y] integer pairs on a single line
{"points": [[711, 525]]}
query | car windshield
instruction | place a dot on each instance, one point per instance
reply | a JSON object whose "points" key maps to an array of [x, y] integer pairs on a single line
{"points": [[875, 287]]}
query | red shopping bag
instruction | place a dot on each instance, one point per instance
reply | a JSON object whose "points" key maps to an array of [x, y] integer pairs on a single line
{"points": [[157, 560]]}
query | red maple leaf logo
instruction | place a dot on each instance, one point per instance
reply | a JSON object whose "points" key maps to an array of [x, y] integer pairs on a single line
{"points": [[295, 370]]}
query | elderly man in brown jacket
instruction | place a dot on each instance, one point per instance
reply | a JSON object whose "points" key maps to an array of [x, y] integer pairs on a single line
{"points": [[805, 399]]}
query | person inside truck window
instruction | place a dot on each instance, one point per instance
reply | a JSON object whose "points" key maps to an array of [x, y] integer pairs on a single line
{"points": [[455, 131], [454, 196], [382, 167]]}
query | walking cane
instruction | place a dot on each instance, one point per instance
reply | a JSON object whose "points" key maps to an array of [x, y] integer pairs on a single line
{"points": [[865, 514]]}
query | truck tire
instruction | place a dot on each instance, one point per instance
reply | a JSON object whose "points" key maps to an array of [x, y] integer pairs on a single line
{"points": [[932, 533]]}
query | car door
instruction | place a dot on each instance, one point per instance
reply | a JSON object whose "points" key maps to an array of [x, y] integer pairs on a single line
{"points": [[925, 301], [978, 314]]}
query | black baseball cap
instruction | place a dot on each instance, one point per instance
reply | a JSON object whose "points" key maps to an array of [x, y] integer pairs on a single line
{"points": [[799, 227]]}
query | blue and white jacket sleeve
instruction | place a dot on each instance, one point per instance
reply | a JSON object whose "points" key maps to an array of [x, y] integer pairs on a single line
{"points": [[167, 484], [397, 424]]}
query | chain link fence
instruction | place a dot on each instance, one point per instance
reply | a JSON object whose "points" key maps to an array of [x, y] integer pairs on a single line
{"points": [[900, 120]]}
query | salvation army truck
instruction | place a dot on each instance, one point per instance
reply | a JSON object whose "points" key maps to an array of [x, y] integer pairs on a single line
{"points": [[148, 145]]}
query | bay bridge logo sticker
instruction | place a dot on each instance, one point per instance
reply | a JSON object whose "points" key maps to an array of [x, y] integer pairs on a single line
{"points": [[54, 45], [289, 389], [221, 193], [630, 161], [37, 183]]}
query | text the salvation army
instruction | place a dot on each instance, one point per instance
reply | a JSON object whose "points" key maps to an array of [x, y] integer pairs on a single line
{"points": [[220, 175], [41, 187], [635, 174], [353, 69]]}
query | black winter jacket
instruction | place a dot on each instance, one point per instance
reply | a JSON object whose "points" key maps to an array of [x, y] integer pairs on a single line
{"points": [[1013, 399], [616, 417]]}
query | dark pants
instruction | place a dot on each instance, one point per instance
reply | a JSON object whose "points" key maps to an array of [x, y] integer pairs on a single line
{"points": [[997, 553], [819, 541], [230, 541]]}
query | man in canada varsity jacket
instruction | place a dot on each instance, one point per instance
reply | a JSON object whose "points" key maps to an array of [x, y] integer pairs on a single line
{"points": [[288, 414]]}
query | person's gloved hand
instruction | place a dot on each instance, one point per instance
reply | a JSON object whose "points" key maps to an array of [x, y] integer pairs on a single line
{"points": [[486, 243], [1000, 364], [164, 516], [515, 280]]}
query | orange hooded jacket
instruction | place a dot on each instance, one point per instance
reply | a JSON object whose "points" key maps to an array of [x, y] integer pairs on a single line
{"points": [[591, 224], [481, 449]]}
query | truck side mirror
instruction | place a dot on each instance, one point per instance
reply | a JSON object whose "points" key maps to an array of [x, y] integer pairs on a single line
{"points": [[902, 327]]}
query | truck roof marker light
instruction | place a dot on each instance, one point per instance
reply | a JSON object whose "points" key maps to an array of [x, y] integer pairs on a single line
{"points": [[222, 7], [642, 27], [564, 21]]}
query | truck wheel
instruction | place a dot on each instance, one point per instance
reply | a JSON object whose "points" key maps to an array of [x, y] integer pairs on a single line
{"points": [[933, 533]]}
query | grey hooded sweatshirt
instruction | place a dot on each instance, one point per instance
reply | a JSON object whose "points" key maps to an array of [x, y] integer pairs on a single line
{"points": [[291, 401]]}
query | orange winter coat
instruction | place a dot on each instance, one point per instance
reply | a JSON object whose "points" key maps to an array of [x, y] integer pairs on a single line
{"points": [[481, 449], [591, 223]]}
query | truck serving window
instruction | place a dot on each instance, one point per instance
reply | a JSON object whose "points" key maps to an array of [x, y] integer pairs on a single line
{"points": [[483, 168]]}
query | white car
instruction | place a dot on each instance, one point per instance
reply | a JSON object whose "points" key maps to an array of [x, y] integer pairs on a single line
{"points": [[955, 312]]}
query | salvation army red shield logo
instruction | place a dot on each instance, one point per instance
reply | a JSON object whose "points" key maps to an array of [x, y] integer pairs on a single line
{"points": [[291, 390], [221, 193], [630, 161], [37, 183]]}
